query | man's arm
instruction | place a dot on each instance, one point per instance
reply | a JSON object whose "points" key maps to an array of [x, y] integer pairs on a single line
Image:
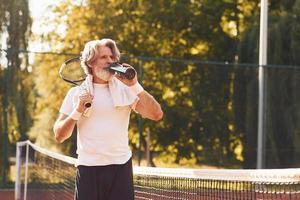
{"points": [[63, 127], [148, 107]]}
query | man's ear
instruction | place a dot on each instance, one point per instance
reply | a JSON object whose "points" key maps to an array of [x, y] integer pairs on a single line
{"points": [[89, 67]]}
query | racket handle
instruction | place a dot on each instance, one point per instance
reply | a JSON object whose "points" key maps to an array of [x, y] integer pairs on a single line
{"points": [[87, 105]]}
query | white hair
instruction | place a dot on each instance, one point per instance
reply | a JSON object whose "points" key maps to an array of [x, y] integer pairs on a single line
{"points": [[91, 51]]}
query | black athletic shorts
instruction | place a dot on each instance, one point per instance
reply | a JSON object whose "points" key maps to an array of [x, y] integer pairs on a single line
{"points": [[111, 182]]}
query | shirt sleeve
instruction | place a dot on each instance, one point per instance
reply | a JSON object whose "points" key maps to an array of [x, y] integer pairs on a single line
{"points": [[133, 105], [68, 102]]}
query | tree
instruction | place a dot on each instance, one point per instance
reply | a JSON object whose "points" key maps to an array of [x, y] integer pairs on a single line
{"points": [[186, 89], [282, 108], [15, 92]]}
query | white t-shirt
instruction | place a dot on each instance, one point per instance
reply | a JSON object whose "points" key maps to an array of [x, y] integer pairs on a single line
{"points": [[102, 138]]}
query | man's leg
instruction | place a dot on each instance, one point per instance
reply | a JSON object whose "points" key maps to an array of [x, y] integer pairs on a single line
{"points": [[122, 187], [86, 183]]}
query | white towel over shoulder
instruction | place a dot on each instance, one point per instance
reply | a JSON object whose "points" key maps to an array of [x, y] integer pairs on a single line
{"points": [[121, 94]]}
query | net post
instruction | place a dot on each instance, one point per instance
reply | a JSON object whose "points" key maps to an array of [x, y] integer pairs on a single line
{"points": [[18, 172], [26, 171], [148, 145]]}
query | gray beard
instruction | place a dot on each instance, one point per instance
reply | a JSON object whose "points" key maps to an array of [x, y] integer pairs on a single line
{"points": [[104, 74]]}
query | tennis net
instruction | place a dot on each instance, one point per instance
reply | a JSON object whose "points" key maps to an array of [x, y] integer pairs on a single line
{"points": [[42, 174]]}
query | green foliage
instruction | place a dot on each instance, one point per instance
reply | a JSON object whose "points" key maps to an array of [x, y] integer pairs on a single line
{"points": [[16, 81], [282, 128], [147, 28], [210, 114]]}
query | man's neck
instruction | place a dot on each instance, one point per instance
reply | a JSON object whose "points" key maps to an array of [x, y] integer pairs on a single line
{"points": [[99, 80]]}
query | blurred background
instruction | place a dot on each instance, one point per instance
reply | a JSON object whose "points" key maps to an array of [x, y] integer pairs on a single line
{"points": [[198, 58]]}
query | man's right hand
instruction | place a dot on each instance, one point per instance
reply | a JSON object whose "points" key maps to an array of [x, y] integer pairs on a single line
{"points": [[84, 98]]}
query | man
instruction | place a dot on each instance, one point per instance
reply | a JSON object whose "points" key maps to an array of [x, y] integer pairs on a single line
{"points": [[104, 166]]}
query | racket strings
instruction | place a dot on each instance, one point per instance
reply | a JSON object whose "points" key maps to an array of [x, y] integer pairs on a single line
{"points": [[73, 72]]}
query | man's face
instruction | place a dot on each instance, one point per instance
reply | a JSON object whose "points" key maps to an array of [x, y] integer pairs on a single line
{"points": [[103, 60]]}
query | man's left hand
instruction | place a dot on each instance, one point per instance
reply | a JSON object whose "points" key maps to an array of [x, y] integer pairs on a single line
{"points": [[126, 81]]}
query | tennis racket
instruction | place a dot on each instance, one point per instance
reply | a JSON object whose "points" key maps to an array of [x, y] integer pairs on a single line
{"points": [[72, 72]]}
